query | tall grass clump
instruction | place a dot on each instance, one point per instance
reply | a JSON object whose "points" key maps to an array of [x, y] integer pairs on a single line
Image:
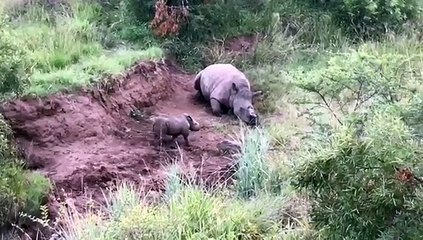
{"points": [[256, 173]]}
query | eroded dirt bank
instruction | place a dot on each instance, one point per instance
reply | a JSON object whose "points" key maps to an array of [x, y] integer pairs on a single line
{"points": [[86, 140]]}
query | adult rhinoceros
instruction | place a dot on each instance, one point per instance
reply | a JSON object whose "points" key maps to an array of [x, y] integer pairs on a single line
{"points": [[223, 85]]}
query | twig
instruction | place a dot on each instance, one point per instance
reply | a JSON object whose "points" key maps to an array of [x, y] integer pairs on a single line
{"points": [[358, 100], [328, 106]]}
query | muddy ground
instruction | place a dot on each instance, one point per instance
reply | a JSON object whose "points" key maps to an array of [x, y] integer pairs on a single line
{"points": [[85, 141]]}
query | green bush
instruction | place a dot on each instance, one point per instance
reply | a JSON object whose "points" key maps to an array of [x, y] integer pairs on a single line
{"points": [[372, 16], [413, 115], [356, 81], [353, 182]]}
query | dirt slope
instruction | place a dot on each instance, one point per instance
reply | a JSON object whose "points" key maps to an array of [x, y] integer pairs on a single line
{"points": [[86, 140]]}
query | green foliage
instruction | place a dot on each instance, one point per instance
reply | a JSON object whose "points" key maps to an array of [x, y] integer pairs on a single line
{"points": [[407, 224], [18, 191], [413, 115], [60, 40], [13, 62], [37, 188], [11, 177], [353, 182], [368, 17], [356, 81], [89, 71], [207, 22]]}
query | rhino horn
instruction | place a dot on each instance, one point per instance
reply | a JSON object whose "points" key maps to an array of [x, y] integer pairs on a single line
{"points": [[257, 93]]}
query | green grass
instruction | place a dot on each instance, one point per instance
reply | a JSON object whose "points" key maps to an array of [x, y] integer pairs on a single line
{"points": [[190, 213], [64, 47], [88, 71]]}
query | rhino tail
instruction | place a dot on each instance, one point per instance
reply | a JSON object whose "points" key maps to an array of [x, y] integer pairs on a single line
{"points": [[197, 81]]}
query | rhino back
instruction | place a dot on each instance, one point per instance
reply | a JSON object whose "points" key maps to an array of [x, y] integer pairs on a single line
{"points": [[217, 79], [176, 125]]}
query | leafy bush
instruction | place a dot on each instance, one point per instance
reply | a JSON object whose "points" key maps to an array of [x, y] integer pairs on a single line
{"points": [[412, 114], [360, 183], [356, 81], [372, 16]]}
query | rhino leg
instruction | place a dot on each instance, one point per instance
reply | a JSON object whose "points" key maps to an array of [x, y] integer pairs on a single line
{"points": [[216, 109], [174, 137], [199, 94], [199, 97], [225, 109], [185, 135]]}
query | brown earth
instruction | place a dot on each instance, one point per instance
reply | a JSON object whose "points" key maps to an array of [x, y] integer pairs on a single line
{"points": [[86, 140]]}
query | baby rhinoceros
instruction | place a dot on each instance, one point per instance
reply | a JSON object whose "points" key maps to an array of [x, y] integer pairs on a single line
{"points": [[174, 126]]}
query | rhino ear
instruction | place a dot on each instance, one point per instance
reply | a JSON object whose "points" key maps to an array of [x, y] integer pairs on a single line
{"points": [[234, 87], [188, 117]]}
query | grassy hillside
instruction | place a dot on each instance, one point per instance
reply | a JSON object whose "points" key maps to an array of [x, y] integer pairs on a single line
{"points": [[343, 83]]}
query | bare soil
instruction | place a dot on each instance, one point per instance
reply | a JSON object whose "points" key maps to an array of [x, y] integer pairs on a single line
{"points": [[85, 141]]}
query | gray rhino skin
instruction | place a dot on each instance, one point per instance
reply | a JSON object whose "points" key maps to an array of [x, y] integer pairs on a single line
{"points": [[223, 85], [174, 126]]}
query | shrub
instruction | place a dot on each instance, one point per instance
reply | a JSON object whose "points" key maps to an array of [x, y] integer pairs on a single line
{"points": [[412, 114], [362, 182], [356, 81], [372, 16]]}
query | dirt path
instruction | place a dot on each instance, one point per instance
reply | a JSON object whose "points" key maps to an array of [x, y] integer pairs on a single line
{"points": [[87, 140]]}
